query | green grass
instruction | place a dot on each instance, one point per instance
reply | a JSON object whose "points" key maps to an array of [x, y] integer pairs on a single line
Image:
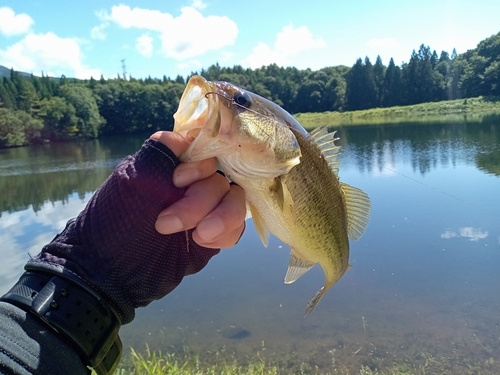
{"points": [[449, 110], [158, 363]]}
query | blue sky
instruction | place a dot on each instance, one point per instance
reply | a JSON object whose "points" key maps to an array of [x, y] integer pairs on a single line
{"points": [[156, 38]]}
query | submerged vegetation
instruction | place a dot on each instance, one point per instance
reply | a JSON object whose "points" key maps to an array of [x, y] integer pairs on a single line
{"points": [[41, 109], [158, 363]]}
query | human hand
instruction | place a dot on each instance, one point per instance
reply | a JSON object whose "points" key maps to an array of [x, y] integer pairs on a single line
{"points": [[215, 208], [126, 244]]}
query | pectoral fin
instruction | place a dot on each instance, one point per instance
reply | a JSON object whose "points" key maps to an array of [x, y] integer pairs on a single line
{"points": [[260, 225], [284, 198], [296, 267], [249, 212]]}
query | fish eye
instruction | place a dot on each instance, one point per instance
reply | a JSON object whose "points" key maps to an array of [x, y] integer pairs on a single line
{"points": [[243, 99]]}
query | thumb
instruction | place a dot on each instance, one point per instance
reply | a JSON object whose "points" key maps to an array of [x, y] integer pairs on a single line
{"points": [[177, 142]]}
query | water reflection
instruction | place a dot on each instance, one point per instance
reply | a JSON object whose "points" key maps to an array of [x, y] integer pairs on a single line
{"points": [[473, 234], [24, 232], [425, 146], [44, 186], [31, 176], [424, 288]]}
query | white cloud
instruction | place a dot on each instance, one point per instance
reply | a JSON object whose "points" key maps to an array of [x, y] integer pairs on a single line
{"points": [[263, 55], [139, 18], [190, 64], [48, 53], [289, 42], [198, 4], [181, 37], [12, 24], [145, 45], [103, 16], [294, 41], [382, 43], [97, 32]]}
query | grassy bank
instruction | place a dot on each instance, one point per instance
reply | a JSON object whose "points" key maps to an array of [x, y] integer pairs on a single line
{"points": [[450, 110]]}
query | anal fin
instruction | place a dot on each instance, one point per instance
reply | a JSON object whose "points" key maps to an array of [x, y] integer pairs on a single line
{"points": [[296, 268]]}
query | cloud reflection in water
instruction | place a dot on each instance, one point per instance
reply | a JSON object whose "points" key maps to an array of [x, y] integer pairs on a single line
{"points": [[473, 234], [23, 233]]}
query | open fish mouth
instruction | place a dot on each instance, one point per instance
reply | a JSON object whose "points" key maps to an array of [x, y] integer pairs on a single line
{"points": [[199, 116], [193, 109]]}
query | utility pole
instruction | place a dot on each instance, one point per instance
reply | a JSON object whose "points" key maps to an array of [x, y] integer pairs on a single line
{"points": [[124, 70]]}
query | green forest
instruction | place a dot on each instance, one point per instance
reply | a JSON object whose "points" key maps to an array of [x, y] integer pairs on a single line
{"points": [[42, 109]]}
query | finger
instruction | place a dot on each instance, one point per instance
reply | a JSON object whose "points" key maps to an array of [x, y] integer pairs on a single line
{"points": [[177, 142], [187, 173], [200, 199], [228, 240], [224, 225]]}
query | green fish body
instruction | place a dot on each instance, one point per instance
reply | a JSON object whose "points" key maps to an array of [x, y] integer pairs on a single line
{"points": [[290, 176]]}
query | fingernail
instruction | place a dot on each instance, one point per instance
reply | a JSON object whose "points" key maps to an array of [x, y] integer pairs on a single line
{"points": [[169, 224], [243, 231], [210, 228], [186, 176]]}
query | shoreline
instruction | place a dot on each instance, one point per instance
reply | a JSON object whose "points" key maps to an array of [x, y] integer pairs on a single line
{"points": [[449, 110], [459, 110]]}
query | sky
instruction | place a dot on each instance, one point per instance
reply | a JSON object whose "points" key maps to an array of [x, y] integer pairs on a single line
{"points": [[170, 37]]}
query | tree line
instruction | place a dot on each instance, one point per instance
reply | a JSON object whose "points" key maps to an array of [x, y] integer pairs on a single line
{"points": [[40, 109], [57, 185]]}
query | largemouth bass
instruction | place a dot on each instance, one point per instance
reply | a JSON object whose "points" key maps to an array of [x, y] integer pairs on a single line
{"points": [[290, 176]]}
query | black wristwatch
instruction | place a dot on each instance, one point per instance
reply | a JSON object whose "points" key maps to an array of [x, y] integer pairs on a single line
{"points": [[76, 312]]}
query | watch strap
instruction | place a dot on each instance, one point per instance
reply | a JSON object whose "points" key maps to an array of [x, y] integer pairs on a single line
{"points": [[81, 317]]}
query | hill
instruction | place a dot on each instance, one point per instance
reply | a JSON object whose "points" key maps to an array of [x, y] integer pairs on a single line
{"points": [[5, 72]]}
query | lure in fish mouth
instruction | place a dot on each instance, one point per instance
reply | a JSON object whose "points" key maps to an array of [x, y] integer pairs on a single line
{"points": [[290, 176]]}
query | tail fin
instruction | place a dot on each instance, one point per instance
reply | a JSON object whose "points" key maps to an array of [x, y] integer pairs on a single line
{"points": [[314, 301]]}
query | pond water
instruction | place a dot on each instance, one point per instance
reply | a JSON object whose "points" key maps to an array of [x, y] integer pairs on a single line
{"points": [[423, 293]]}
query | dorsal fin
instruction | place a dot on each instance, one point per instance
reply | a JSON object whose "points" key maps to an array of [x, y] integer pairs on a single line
{"points": [[326, 144], [358, 208]]}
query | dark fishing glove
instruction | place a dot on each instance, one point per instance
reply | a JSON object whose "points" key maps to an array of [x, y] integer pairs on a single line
{"points": [[113, 245]]}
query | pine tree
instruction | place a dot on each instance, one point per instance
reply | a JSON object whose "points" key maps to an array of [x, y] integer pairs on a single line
{"points": [[392, 88], [379, 74]]}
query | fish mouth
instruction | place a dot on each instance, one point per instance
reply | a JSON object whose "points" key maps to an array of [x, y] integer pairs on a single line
{"points": [[206, 113], [191, 115], [198, 116]]}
